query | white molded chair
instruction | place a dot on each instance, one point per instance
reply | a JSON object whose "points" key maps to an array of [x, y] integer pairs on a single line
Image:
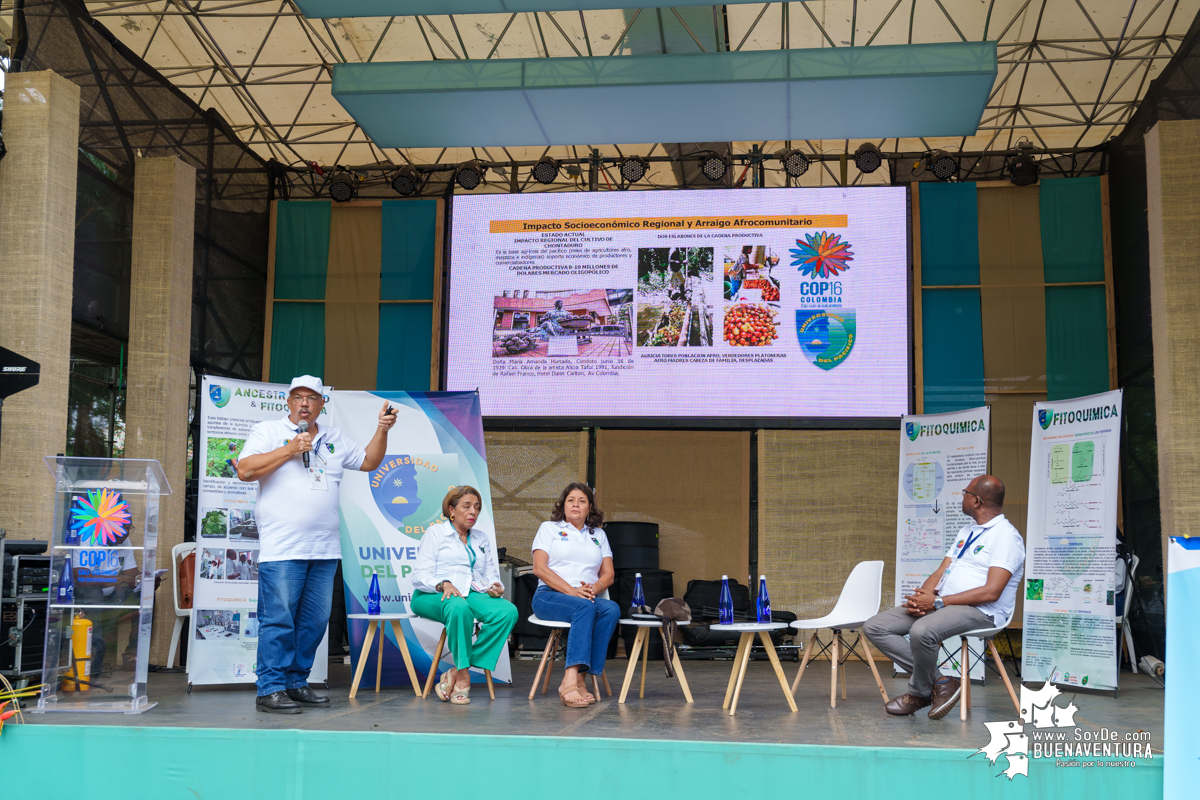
{"points": [[964, 665], [1123, 620], [550, 654], [858, 602], [182, 615]]}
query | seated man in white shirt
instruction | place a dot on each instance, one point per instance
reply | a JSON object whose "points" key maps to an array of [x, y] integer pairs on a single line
{"points": [[975, 587]]}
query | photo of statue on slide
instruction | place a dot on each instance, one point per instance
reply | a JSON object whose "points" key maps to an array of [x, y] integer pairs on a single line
{"points": [[534, 323], [675, 297]]}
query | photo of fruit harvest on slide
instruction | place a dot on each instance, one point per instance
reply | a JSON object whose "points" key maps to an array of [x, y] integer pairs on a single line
{"points": [[674, 287], [751, 324]]}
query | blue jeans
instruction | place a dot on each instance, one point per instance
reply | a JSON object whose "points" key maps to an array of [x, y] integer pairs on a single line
{"points": [[592, 625], [294, 599]]}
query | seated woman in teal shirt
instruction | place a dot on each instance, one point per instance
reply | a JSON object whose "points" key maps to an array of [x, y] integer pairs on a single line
{"points": [[456, 581]]}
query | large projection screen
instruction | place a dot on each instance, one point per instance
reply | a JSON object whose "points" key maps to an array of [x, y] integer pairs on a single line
{"points": [[743, 304]]}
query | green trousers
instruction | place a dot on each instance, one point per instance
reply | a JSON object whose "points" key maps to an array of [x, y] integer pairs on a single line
{"points": [[458, 614]]}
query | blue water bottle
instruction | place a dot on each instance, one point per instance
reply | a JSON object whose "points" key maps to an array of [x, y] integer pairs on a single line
{"points": [[639, 598], [373, 596], [764, 600], [66, 586], [725, 609]]}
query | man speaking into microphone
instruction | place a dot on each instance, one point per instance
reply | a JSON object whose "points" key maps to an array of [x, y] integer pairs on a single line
{"points": [[298, 462]]}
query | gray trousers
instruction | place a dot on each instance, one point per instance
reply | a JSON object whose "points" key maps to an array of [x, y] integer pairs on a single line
{"points": [[918, 655]]}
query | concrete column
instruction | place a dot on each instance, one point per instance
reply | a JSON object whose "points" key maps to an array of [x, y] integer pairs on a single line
{"points": [[1173, 213], [160, 330], [37, 265]]}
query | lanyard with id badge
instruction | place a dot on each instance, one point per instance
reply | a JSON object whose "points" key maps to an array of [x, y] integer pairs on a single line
{"points": [[317, 480], [970, 541]]}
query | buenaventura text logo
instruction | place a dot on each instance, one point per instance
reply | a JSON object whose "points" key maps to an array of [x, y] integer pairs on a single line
{"points": [[1054, 734]]}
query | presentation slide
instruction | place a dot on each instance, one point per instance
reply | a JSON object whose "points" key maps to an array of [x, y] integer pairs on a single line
{"points": [[740, 304]]}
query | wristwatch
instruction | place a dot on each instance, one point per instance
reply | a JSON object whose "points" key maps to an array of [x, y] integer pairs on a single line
{"points": [[938, 604]]}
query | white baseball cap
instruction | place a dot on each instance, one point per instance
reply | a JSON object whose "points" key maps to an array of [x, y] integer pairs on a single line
{"points": [[308, 382]]}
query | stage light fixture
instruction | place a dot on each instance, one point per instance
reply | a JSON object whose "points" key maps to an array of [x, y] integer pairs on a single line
{"points": [[634, 168], [343, 186], [713, 166], [795, 163], [406, 181], [1023, 170], [469, 175], [545, 170], [943, 165], [868, 158]]}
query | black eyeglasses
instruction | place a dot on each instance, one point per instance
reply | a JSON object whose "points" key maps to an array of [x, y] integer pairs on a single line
{"points": [[968, 491]]}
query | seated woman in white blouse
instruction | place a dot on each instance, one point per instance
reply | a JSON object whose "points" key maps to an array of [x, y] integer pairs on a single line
{"points": [[457, 581], [574, 565]]}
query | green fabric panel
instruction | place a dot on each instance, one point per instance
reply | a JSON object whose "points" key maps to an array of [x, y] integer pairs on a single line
{"points": [[297, 341], [301, 249], [1076, 341], [319, 764], [405, 347], [409, 233], [1072, 230], [949, 234], [952, 327]]}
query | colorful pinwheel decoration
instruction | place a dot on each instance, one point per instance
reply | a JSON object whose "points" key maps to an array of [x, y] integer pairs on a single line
{"points": [[100, 518], [821, 255]]}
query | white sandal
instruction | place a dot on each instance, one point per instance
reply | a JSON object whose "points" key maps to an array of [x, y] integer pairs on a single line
{"points": [[442, 687], [461, 697]]}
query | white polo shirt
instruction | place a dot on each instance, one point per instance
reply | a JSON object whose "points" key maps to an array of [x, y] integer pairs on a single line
{"points": [[295, 521], [996, 543], [574, 555]]}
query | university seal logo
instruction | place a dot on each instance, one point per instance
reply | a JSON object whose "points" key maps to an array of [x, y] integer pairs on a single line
{"points": [[220, 395], [826, 337]]}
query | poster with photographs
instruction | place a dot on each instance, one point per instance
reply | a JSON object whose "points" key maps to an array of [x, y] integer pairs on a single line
{"points": [[224, 633]]}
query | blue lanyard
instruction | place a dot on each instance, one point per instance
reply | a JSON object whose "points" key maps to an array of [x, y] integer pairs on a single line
{"points": [[970, 541]]}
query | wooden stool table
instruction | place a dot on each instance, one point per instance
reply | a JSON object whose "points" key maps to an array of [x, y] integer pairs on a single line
{"points": [[375, 620], [745, 645], [641, 645]]}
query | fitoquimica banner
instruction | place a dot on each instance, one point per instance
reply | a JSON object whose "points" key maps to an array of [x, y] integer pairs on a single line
{"points": [[1070, 603], [436, 444]]}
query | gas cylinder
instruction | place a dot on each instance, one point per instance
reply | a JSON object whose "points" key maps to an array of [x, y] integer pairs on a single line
{"points": [[81, 653]]}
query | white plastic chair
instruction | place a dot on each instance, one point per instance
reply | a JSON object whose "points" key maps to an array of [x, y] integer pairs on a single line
{"points": [[1123, 620], [964, 665], [858, 602], [550, 654], [182, 615]]}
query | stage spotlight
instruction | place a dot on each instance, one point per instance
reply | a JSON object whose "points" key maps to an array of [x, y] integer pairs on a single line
{"points": [[545, 170], [406, 181], [943, 165], [634, 168], [343, 186], [868, 158], [1023, 170], [469, 175], [713, 166], [795, 163]]}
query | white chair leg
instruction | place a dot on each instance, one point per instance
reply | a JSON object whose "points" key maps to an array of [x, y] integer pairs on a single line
{"points": [[175, 633]]}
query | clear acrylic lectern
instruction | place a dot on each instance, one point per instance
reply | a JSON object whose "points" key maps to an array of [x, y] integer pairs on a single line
{"points": [[101, 603]]}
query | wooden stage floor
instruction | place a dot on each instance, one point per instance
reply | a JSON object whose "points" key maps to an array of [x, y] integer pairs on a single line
{"points": [[762, 715]]}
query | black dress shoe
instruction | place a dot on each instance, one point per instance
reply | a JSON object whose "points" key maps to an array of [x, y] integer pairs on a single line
{"points": [[305, 696], [277, 703]]}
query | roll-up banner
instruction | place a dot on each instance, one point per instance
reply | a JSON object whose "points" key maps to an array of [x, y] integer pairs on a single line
{"points": [[939, 455], [437, 444], [1069, 630], [223, 635], [1181, 776]]}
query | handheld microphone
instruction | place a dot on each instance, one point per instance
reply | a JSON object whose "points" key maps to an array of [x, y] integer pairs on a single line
{"points": [[304, 429]]}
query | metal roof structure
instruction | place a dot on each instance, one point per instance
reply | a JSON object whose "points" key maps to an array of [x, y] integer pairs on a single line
{"points": [[1071, 72]]}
